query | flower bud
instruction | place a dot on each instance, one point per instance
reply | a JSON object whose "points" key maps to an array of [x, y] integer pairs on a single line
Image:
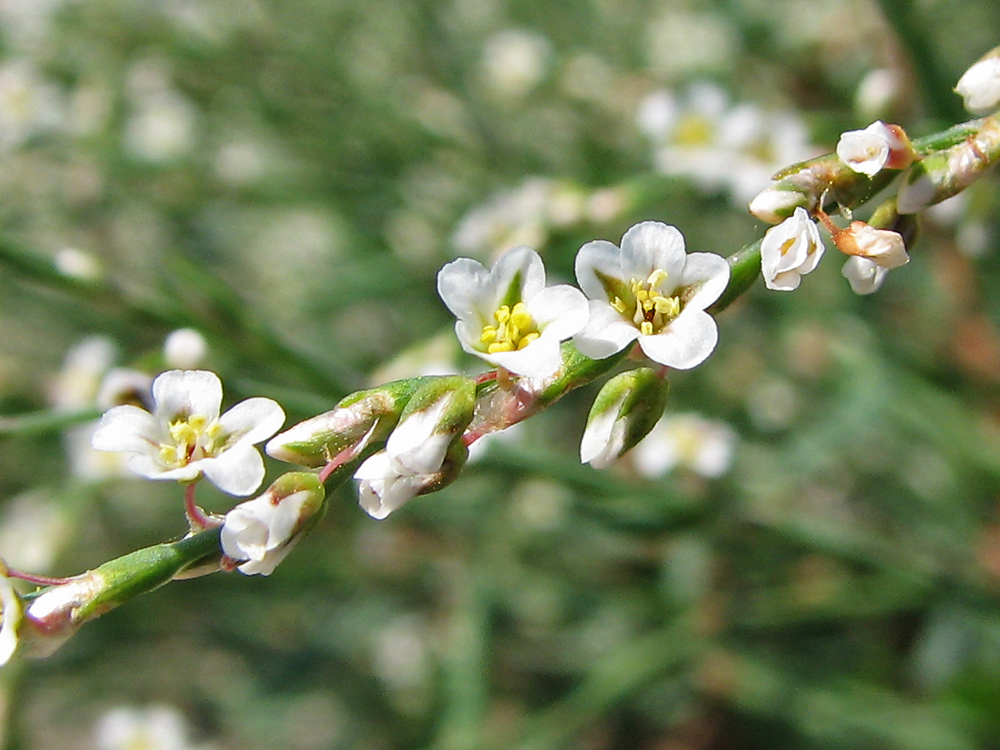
{"points": [[264, 530], [425, 451], [979, 86], [883, 247], [946, 173], [624, 412], [877, 147], [359, 419]]}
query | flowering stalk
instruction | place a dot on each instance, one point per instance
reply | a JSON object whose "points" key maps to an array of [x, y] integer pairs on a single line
{"points": [[54, 614]]}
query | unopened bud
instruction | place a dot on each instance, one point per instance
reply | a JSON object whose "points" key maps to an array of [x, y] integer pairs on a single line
{"points": [[624, 412], [359, 419], [979, 86], [883, 247], [11, 612], [946, 173], [264, 530], [877, 147]]}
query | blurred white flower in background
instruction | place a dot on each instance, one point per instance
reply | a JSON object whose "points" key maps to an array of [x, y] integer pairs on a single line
{"points": [[184, 349], [691, 441], [29, 104], [162, 123], [156, 727], [515, 61], [720, 147]]}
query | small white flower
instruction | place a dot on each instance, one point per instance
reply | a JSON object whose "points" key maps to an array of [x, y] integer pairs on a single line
{"points": [[185, 436], [979, 86], [152, 728], [774, 205], [702, 445], [877, 147], [865, 276], [10, 616], [414, 453], [262, 531], [507, 316], [789, 250], [652, 292]]}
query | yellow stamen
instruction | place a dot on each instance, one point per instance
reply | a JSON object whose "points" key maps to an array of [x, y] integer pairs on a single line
{"points": [[515, 329], [652, 310]]}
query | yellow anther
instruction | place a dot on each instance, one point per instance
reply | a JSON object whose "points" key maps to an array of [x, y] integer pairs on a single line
{"points": [[619, 305], [515, 329], [168, 454], [525, 340], [787, 245], [656, 278], [646, 328]]}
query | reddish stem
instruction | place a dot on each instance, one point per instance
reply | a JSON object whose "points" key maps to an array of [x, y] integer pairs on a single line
{"points": [[37, 579], [195, 515]]}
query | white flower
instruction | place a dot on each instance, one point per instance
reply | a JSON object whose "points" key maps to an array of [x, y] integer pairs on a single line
{"points": [[411, 462], [152, 728], [702, 445], [877, 147], [507, 316], [262, 531], [185, 436], [789, 250], [864, 275], [10, 616], [979, 86], [650, 291]]}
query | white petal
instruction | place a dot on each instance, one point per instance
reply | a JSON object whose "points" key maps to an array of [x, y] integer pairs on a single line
{"points": [[128, 428], [685, 343], [522, 265], [652, 245], [604, 438], [559, 311], [709, 273], [238, 470], [253, 420], [539, 359], [460, 285], [10, 611], [597, 257], [186, 392], [606, 332]]}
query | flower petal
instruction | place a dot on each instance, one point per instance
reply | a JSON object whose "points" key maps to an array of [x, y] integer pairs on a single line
{"points": [[181, 393], [594, 260], [253, 420], [685, 343], [539, 359], [460, 285], [559, 311], [606, 332], [239, 470], [128, 428], [652, 245], [708, 274]]}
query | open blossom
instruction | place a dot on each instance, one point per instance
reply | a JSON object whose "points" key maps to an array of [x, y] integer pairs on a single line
{"points": [[10, 616], [789, 250], [264, 530], [652, 292], [979, 86], [877, 147], [185, 437], [507, 316], [865, 276]]}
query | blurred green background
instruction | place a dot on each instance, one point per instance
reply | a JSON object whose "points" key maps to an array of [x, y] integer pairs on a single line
{"points": [[287, 176]]}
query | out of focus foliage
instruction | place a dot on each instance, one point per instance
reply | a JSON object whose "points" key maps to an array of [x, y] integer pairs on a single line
{"points": [[286, 176]]}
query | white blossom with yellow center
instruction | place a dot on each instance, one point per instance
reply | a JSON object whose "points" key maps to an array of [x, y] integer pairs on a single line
{"points": [[506, 314], [186, 437], [652, 292]]}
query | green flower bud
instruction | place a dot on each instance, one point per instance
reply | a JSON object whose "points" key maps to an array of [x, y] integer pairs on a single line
{"points": [[624, 412], [363, 418]]}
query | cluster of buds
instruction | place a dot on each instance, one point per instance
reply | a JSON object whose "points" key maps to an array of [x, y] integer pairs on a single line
{"points": [[866, 162]]}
